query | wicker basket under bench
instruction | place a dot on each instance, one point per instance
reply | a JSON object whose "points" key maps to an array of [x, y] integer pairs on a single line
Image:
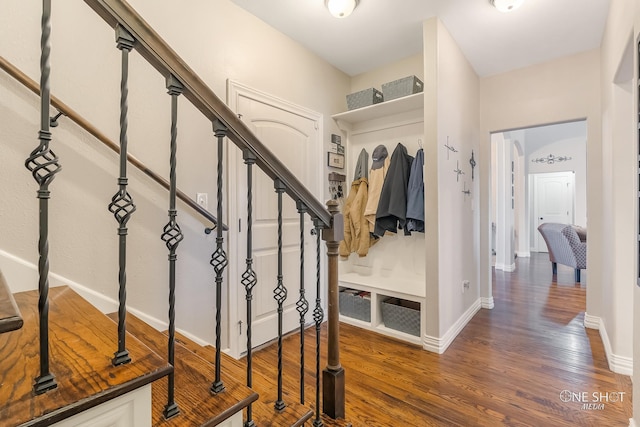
{"points": [[384, 311]]}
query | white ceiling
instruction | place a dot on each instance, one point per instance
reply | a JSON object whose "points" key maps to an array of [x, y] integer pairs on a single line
{"points": [[383, 31]]}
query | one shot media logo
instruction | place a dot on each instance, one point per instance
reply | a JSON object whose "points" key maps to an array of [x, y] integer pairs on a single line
{"points": [[595, 400]]}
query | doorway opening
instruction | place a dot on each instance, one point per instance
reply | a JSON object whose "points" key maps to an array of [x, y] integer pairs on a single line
{"points": [[537, 172]]}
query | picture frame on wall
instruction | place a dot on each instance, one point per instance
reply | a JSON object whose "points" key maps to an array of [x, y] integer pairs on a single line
{"points": [[335, 160]]}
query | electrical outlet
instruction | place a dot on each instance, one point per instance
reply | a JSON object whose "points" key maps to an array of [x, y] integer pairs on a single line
{"points": [[203, 200], [465, 286]]}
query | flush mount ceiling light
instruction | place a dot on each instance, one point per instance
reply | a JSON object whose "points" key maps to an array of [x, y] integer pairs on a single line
{"points": [[506, 5], [341, 8]]}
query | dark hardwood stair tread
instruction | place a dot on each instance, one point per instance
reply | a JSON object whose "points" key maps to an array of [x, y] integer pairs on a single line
{"points": [[193, 378], [82, 343], [264, 414], [10, 318]]}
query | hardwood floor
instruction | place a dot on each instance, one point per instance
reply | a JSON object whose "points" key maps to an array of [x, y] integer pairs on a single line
{"points": [[508, 366]]}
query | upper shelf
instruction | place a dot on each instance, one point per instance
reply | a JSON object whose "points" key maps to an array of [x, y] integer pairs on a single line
{"points": [[383, 109]]}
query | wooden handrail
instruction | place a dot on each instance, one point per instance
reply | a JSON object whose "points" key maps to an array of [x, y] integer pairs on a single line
{"points": [[167, 62], [30, 84]]}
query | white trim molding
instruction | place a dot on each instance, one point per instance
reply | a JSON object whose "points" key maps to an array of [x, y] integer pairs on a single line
{"points": [[591, 322], [440, 345], [132, 409], [619, 364], [632, 422], [507, 268], [487, 302], [21, 275]]}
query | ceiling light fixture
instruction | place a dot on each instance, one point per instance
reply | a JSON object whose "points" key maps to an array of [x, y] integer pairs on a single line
{"points": [[506, 5], [341, 8]]}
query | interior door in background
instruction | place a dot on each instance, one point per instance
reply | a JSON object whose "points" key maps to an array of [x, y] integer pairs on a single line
{"points": [[293, 134], [553, 200]]}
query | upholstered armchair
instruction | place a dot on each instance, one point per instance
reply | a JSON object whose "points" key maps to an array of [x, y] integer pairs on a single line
{"points": [[567, 245]]}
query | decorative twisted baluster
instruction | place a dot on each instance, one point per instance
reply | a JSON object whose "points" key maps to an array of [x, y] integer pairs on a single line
{"points": [[318, 317], [43, 164], [121, 205], [302, 305], [280, 293], [172, 236], [249, 279], [219, 258]]}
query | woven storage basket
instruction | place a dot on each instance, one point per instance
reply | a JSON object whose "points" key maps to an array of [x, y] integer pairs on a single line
{"points": [[401, 315], [402, 87], [364, 98], [354, 306]]}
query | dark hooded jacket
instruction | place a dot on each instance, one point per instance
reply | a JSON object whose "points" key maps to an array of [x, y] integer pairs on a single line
{"points": [[392, 207]]}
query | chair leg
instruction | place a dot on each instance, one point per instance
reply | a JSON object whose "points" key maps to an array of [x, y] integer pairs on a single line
{"points": [[554, 268], [577, 275]]}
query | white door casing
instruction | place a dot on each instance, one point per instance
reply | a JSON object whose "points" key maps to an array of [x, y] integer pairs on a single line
{"points": [[553, 201], [294, 135]]}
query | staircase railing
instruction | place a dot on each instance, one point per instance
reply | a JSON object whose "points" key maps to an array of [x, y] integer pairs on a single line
{"points": [[71, 114], [132, 32]]}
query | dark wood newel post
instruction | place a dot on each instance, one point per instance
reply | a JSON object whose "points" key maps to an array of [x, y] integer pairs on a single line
{"points": [[333, 384]]}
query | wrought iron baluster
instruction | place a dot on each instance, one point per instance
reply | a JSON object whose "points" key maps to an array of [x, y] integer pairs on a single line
{"points": [[172, 236], [302, 305], [219, 258], [122, 205], [249, 279], [318, 317], [280, 293], [43, 164]]}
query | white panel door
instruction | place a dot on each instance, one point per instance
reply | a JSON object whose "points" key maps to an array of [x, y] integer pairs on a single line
{"points": [[553, 199], [294, 136]]}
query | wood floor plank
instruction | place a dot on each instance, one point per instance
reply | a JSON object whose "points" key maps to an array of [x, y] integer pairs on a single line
{"points": [[264, 413], [82, 343], [507, 367], [193, 378]]}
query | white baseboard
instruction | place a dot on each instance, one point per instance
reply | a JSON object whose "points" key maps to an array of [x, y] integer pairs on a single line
{"points": [[440, 345], [487, 302], [591, 322], [505, 267], [22, 275], [523, 254], [619, 364]]}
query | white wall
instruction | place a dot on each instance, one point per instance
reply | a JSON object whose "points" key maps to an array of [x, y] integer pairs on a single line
{"points": [[565, 139], [504, 210], [219, 41]]}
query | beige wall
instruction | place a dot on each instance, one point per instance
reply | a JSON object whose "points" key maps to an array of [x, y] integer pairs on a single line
{"points": [[219, 41], [563, 90], [619, 176], [620, 148], [411, 66], [458, 122]]}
